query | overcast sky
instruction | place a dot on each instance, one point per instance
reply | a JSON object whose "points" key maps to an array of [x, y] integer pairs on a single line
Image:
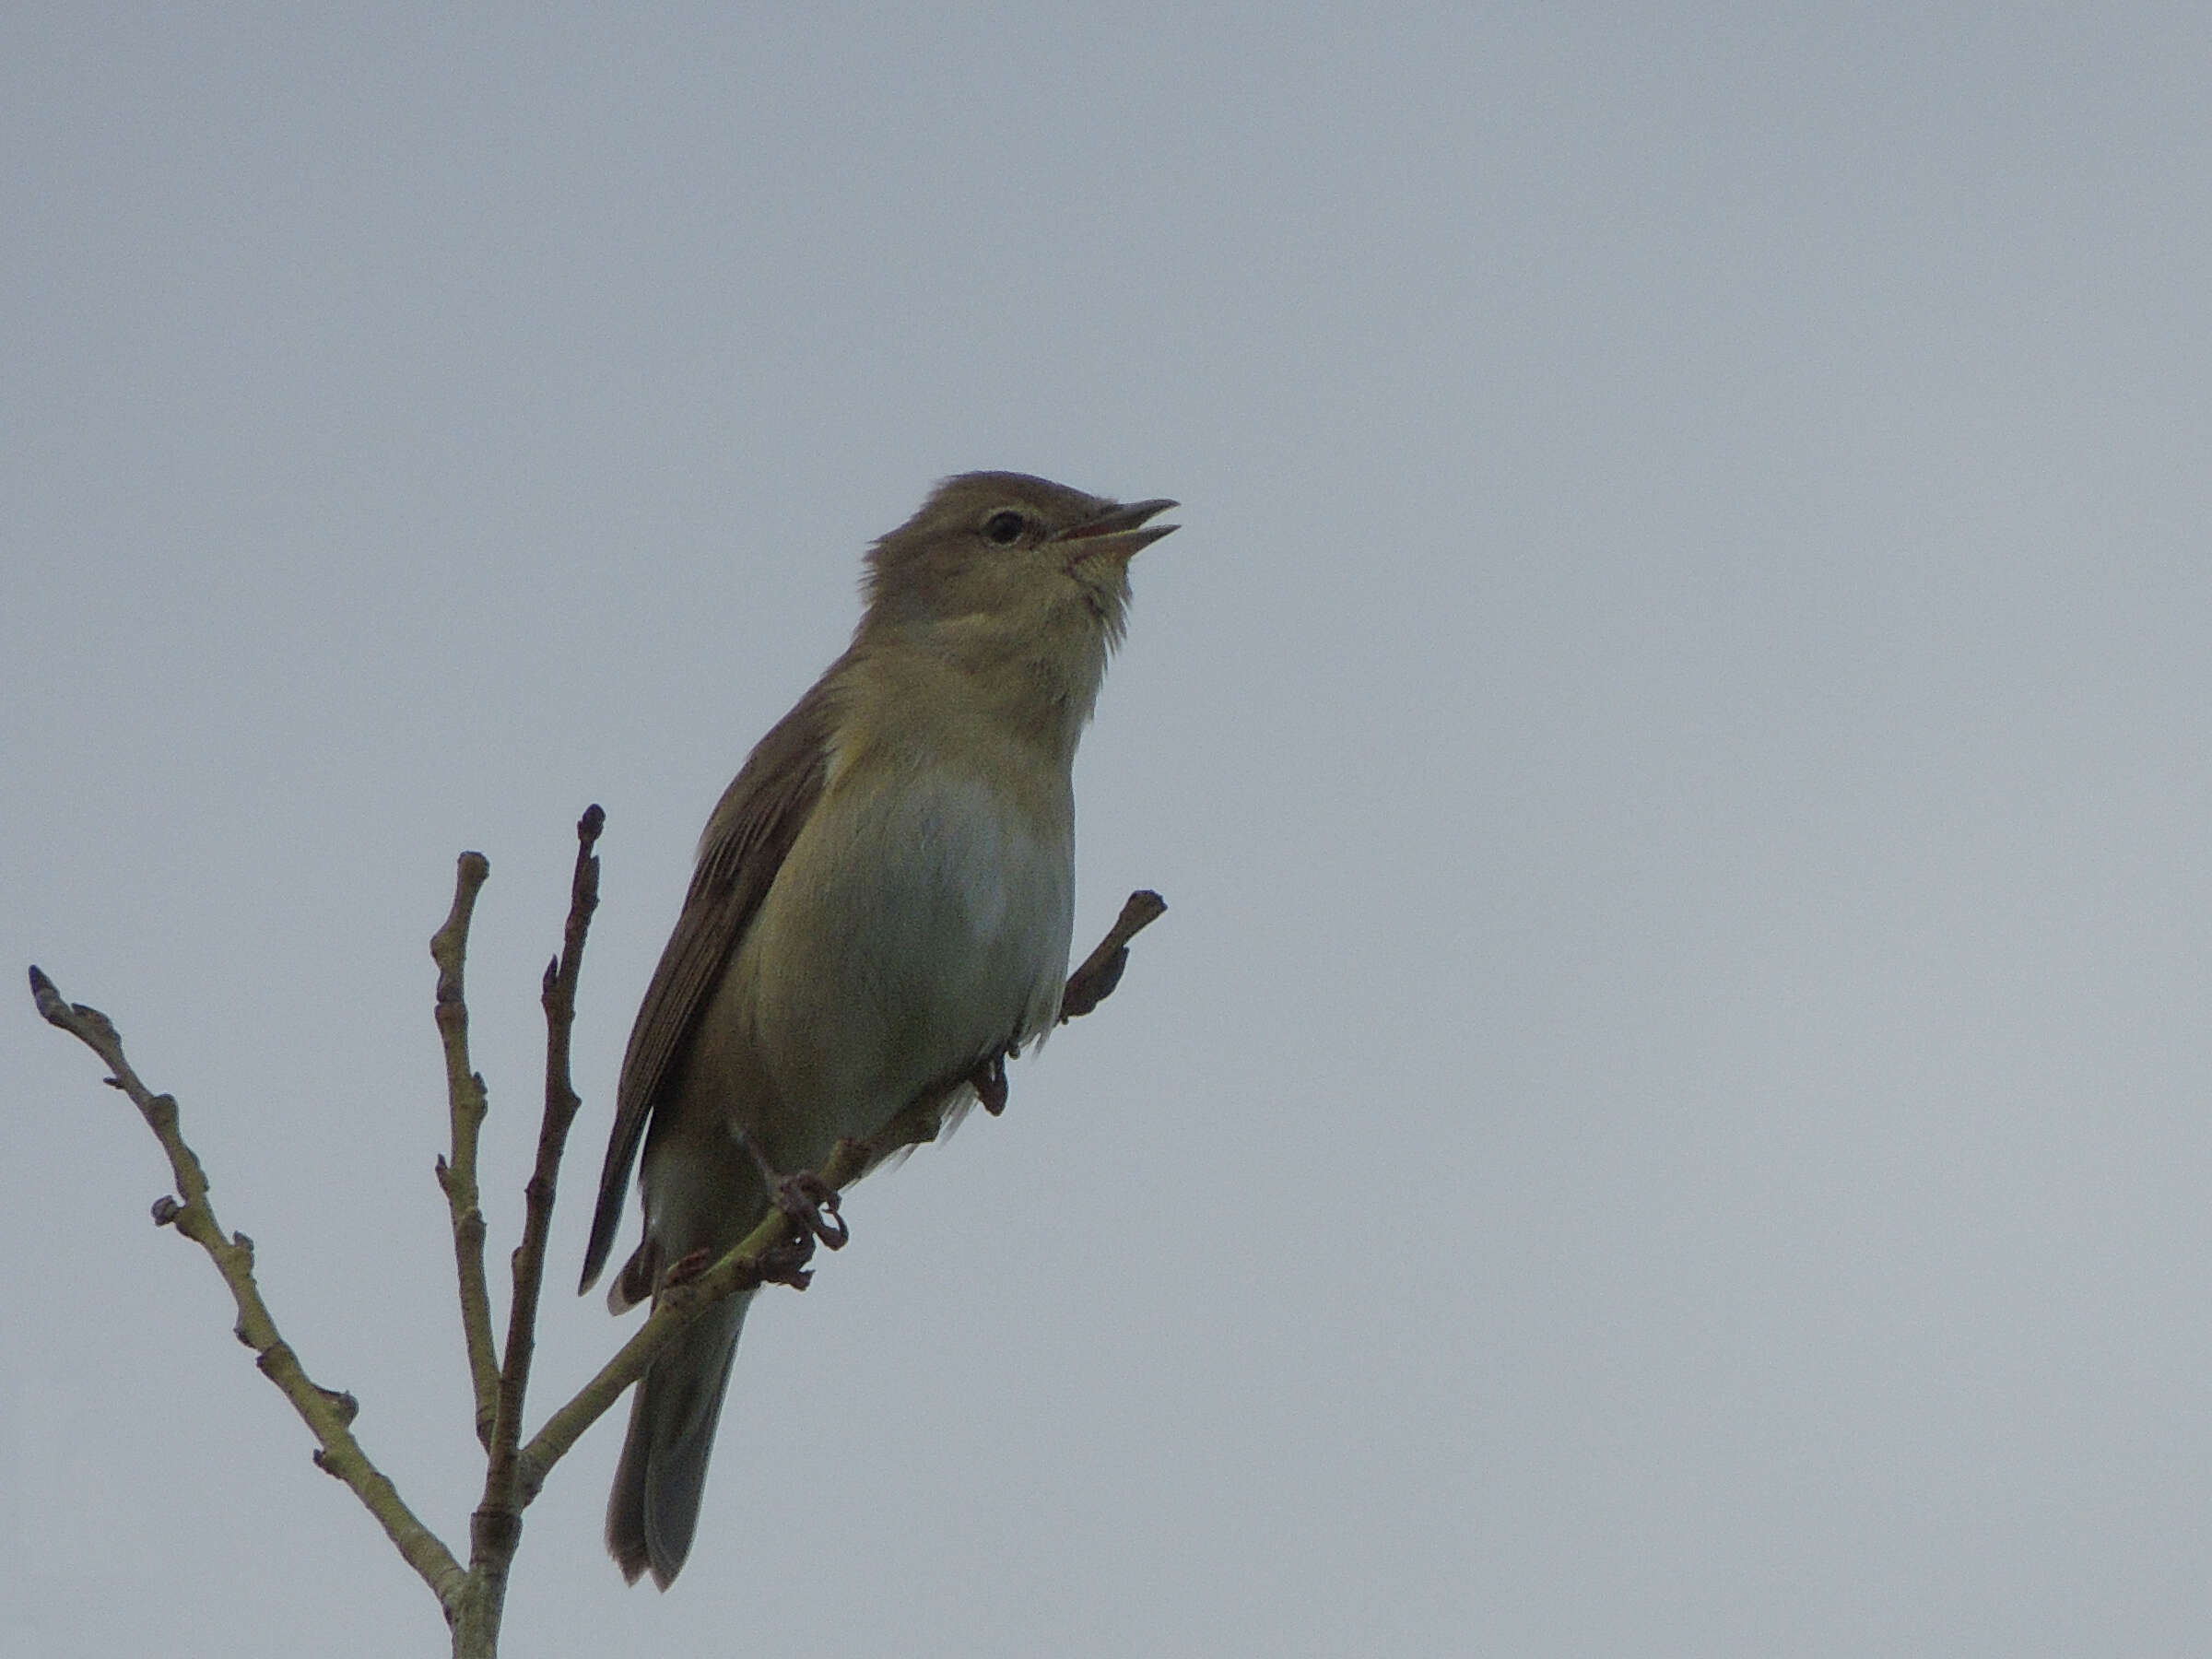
{"points": [[1667, 1115]]}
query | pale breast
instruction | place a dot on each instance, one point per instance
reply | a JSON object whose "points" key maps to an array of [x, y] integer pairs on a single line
{"points": [[921, 922]]}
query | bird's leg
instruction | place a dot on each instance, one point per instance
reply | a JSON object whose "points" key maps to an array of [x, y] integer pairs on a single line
{"points": [[783, 1263], [805, 1197], [786, 1264]]}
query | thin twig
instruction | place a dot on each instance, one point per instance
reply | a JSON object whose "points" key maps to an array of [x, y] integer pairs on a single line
{"points": [[1094, 981], [751, 1264], [326, 1412], [775, 1250], [465, 1098], [496, 1529]]}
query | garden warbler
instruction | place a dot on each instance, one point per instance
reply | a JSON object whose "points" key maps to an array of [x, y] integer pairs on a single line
{"points": [[881, 906]]}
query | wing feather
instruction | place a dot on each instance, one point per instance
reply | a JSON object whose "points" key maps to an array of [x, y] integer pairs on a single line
{"points": [[752, 830]]}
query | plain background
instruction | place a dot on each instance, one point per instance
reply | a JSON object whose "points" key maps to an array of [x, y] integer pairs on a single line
{"points": [[1668, 1114]]}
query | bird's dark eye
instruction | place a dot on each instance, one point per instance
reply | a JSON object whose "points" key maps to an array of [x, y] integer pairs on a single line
{"points": [[1004, 528]]}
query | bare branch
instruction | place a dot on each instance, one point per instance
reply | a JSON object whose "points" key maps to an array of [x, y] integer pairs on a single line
{"points": [[776, 1250], [326, 1412], [496, 1529], [1094, 981], [466, 1100]]}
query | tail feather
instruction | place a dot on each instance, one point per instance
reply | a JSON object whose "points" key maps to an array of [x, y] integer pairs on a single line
{"points": [[653, 1508]]}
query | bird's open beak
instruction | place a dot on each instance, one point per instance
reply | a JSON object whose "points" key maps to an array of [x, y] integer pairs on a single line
{"points": [[1119, 531]]}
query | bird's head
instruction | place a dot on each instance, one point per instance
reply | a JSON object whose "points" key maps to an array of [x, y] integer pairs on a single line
{"points": [[1018, 559]]}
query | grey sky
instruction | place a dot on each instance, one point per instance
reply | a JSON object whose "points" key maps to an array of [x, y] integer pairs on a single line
{"points": [[1668, 1114]]}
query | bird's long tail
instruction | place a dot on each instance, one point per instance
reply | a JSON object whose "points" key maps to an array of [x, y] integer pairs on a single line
{"points": [[655, 1507]]}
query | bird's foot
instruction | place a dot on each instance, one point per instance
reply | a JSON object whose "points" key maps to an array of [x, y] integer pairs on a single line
{"points": [[781, 1264], [785, 1262], [805, 1197], [811, 1203], [989, 1081]]}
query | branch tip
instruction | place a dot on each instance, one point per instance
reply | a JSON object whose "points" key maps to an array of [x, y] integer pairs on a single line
{"points": [[52, 1008], [778, 1252], [1094, 981], [497, 1526], [324, 1412]]}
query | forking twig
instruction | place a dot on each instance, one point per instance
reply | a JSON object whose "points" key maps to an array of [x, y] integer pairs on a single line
{"points": [[473, 1597], [495, 1530], [327, 1412], [776, 1250]]}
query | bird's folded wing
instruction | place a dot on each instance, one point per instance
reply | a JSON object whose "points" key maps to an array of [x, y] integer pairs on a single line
{"points": [[761, 816]]}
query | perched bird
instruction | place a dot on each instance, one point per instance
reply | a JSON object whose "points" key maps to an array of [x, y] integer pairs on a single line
{"points": [[881, 907]]}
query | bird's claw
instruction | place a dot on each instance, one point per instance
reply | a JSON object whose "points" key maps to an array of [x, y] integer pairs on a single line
{"points": [[811, 1203], [805, 1197], [786, 1264], [989, 1081]]}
